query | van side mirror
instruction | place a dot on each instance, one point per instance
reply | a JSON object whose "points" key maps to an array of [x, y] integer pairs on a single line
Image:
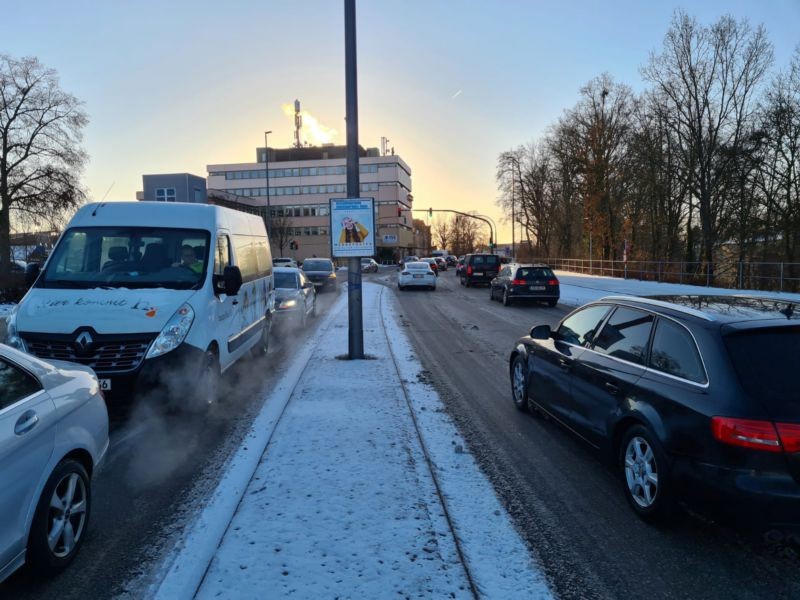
{"points": [[32, 271], [232, 280], [541, 332]]}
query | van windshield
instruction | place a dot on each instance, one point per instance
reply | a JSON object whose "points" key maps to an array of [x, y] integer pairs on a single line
{"points": [[129, 257]]}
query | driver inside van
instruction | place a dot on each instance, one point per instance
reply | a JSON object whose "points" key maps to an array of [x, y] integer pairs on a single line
{"points": [[189, 260]]}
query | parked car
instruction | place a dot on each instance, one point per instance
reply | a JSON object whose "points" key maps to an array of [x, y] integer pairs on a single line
{"points": [[692, 398], [417, 274], [441, 263], [368, 265], [295, 297], [479, 268], [321, 272], [145, 293], [432, 262], [525, 281], [284, 261], [53, 438]]}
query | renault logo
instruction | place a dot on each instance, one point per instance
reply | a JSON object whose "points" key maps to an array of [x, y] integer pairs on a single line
{"points": [[84, 341]]}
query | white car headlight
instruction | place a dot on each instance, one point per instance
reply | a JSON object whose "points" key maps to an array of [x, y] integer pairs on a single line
{"points": [[174, 332], [12, 335], [288, 304]]}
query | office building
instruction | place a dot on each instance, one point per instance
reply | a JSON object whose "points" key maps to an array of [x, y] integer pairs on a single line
{"points": [[301, 183]]}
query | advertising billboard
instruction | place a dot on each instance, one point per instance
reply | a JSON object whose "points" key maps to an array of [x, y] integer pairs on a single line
{"points": [[352, 227]]}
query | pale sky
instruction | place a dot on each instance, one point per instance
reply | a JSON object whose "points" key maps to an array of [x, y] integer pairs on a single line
{"points": [[174, 86]]}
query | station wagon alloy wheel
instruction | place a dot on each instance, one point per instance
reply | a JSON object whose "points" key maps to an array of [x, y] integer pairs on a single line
{"points": [[67, 515], [518, 385], [641, 472]]}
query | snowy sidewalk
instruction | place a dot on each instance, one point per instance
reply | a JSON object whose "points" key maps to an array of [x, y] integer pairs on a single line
{"points": [[344, 502]]}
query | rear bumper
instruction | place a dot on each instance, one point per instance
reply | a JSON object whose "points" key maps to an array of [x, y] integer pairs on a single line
{"points": [[771, 498]]}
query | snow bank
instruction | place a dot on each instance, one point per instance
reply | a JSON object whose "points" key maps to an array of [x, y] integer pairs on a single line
{"points": [[578, 288]]}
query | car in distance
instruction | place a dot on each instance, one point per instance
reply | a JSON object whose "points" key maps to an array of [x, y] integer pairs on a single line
{"points": [[441, 263], [284, 261], [368, 265], [321, 272], [459, 267], [692, 397], [295, 297], [452, 261], [525, 282], [417, 274], [407, 259], [53, 437], [432, 262], [479, 268]]}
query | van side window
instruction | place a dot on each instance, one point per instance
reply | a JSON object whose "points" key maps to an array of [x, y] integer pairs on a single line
{"points": [[222, 257]]}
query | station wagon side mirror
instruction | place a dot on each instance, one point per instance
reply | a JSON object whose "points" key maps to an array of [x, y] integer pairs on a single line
{"points": [[232, 280], [31, 274], [541, 332]]}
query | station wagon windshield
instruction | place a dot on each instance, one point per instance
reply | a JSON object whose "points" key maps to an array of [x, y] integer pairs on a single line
{"points": [[128, 257]]}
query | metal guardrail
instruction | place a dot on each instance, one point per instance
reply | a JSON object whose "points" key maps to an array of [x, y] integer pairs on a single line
{"points": [[766, 276]]}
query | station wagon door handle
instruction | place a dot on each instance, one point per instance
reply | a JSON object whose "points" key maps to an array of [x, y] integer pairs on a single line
{"points": [[564, 364], [26, 422], [612, 388]]}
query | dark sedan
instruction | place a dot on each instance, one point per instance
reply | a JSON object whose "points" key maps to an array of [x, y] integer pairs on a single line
{"points": [[525, 282], [693, 398], [321, 272]]}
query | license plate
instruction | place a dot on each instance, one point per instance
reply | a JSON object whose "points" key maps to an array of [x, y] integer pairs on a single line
{"points": [[418, 276], [105, 384], [538, 288], [478, 273]]}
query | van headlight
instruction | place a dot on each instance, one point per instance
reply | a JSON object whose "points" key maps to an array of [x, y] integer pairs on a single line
{"points": [[12, 335], [174, 332]]}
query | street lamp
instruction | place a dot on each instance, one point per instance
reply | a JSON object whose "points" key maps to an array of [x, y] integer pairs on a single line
{"points": [[266, 175]]}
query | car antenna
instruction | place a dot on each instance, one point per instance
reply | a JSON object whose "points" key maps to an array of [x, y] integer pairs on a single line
{"points": [[94, 212]]}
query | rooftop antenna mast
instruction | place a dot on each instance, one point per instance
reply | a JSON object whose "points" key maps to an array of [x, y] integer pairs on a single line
{"points": [[298, 123]]}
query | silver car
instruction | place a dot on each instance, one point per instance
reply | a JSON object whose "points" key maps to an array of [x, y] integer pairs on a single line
{"points": [[53, 437]]}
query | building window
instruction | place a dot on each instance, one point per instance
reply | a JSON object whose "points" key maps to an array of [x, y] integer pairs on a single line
{"points": [[165, 194]]}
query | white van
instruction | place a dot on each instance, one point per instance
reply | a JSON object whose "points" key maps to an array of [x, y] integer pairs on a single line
{"points": [[152, 296]]}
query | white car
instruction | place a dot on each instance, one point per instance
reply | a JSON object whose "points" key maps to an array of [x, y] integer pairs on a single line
{"points": [[53, 437], [416, 274], [284, 261]]}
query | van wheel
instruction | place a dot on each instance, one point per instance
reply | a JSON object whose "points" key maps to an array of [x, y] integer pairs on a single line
{"points": [[262, 347], [61, 518], [207, 388]]}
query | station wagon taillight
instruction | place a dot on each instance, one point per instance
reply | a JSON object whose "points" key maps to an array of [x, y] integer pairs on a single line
{"points": [[760, 435], [553, 282]]}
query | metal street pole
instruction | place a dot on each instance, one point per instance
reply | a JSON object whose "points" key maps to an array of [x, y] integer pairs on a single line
{"points": [[355, 333], [266, 175], [513, 216]]}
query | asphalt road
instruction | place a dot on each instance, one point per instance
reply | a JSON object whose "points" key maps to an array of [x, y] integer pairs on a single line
{"points": [[158, 471], [566, 502]]}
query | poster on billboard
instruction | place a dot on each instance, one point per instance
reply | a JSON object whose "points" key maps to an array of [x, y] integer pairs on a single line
{"points": [[352, 227]]}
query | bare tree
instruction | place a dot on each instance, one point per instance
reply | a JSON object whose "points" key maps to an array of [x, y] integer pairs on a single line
{"points": [[441, 232], [465, 234], [282, 230], [41, 157], [709, 76]]}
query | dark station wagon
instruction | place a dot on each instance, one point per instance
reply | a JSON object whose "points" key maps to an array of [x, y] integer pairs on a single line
{"points": [[693, 397]]}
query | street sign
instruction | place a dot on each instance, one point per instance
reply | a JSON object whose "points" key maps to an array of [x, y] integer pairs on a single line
{"points": [[352, 227], [389, 239]]}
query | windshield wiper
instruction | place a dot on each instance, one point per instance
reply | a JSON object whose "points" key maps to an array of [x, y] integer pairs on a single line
{"points": [[69, 283]]}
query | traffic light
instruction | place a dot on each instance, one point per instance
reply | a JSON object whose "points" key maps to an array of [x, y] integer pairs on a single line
{"points": [[430, 212], [399, 212]]}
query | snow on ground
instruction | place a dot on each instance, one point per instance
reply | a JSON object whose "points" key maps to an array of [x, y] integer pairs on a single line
{"points": [[578, 288], [344, 503]]}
